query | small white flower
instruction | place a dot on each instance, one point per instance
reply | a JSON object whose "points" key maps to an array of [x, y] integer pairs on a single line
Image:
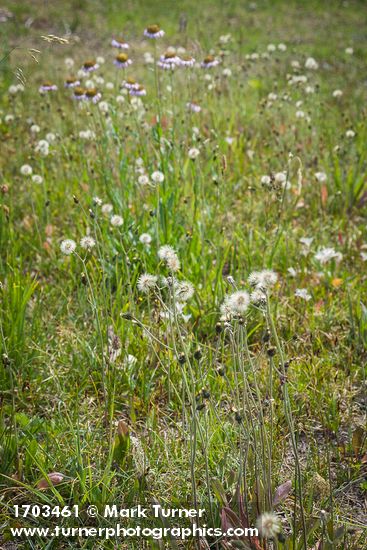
{"points": [[193, 153], [326, 254], [145, 238], [157, 177], [68, 246], [349, 51], [268, 525], [311, 64], [103, 106], [292, 272], [116, 221], [42, 147], [26, 170], [69, 62], [97, 201], [282, 47], [350, 134], [87, 242], [300, 114], [265, 180], [337, 93], [35, 129], [271, 48], [303, 293], [107, 208], [13, 89], [37, 179], [50, 137], [143, 179], [321, 177], [310, 89], [147, 282], [280, 177], [306, 241]]}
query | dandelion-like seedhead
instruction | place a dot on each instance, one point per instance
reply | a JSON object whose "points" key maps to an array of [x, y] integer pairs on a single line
{"points": [[87, 243], [169, 256], [147, 282], [269, 525], [116, 221], [26, 170], [183, 290], [68, 246], [263, 279]]}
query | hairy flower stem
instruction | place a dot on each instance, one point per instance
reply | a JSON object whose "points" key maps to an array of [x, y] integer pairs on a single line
{"points": [[289, 418]]}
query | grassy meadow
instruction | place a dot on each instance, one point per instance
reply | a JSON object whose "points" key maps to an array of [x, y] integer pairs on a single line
{"points": [[183, 306]]}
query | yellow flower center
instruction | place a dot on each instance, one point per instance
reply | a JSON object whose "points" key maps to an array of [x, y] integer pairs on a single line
{"points": [[208, 59], [122, 58], [89, 64], [79, 91], [91, 92], [153, 29]]}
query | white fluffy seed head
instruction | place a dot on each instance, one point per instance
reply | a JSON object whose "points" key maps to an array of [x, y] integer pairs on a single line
{"points": [[87, 243], [238, 302], [147, 282], [268, 525], [26, 170], [263, 279], [116, 221], [68, 246], [183, 290]]}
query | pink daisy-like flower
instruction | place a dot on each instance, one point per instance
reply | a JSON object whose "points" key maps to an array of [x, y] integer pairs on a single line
{"points": [[93, 95], [153, 31], [120, 44], [47, 87], [79, 93], [209, 62], [168, 61], [139, 91], [122, 61], [187, 61], [131, 84], [194, 107], [90, 66], [71, 82]]}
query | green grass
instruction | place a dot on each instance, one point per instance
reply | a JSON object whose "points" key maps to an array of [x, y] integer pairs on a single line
{"points": [[198, 410]]}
